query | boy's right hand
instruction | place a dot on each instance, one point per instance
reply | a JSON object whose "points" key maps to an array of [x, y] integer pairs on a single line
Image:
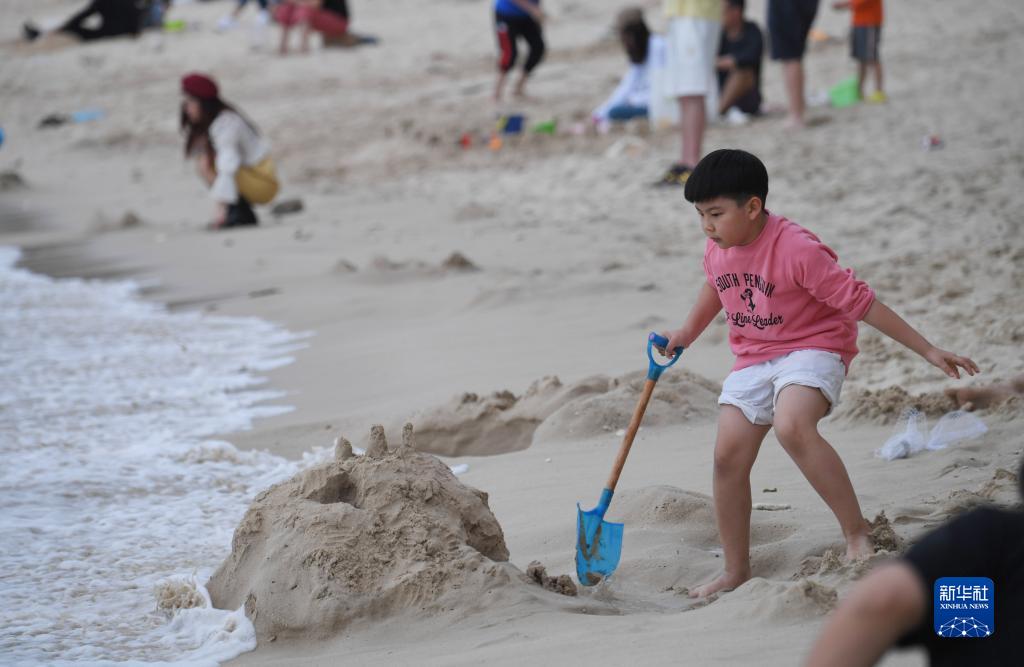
{"points": [[676, 339]]}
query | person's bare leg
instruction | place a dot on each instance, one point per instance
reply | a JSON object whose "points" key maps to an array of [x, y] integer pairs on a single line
{"points": [[307, 29], [877, 67], [499, 86], [737, 84], [793, 74], [797, 413], [520, 88], [979, 398], [285, 31], [692, 122], [736, 447], [862, 72]]}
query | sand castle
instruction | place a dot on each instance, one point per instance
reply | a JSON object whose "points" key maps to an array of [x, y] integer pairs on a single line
{"points": [[365, 537], [360, 537]]}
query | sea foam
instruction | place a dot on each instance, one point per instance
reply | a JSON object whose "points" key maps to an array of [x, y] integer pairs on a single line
{"points": [[112, 487]]}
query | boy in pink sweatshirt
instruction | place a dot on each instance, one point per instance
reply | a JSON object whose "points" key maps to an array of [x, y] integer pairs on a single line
{"points": [[792, 313]]}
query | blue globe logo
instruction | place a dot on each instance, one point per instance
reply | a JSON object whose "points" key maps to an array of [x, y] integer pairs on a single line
{"points": [[964, 627]]}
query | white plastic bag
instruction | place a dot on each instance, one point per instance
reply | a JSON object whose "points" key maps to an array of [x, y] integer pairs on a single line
{"points": [[909, 438], [953, 427]]}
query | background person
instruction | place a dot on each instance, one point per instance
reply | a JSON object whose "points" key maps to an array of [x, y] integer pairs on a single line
{"points": [[789, 21], [739, 64], [865, 37], [631, 98], [231, 157], [514, 19], [330, 18], [692, 42], [229, 21], [116, 18]]}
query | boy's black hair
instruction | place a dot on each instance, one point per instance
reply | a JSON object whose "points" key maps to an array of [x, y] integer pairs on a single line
{"points": [[740, 4], [728, 172]]}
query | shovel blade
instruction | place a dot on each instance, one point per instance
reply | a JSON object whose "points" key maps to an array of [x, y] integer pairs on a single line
{"points": [[598, 546]]}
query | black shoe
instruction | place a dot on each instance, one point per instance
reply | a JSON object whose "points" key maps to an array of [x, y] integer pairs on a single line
{"points": [[675, 176], [30, 32], [239, 214]]}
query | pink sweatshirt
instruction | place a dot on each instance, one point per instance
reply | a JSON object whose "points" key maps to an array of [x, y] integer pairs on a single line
{"points": [[784, 292]]}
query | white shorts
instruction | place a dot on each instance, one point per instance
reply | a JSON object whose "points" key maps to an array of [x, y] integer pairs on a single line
{"points": [[755, 389], [692, 49]]}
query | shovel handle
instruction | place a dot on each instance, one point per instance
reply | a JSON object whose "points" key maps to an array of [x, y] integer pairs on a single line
{"points": [[627, 441]]}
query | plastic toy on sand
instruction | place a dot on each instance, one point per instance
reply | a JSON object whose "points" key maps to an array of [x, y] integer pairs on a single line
{"points": [[844, 93], [599, 542], [546, 127], [511, 124]]}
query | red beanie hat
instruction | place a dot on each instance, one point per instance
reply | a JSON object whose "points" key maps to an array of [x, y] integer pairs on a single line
{"points": [[199, 86]]}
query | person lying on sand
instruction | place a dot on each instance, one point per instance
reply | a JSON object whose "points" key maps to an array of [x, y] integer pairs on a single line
{"points": [[792, 312], [893, 605], [116, 18], [231, 156], [979, 398]]}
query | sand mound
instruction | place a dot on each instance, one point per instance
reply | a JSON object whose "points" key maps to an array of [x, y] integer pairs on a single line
{"points": [[502, 422], [883, 537], [679, 397], [474, 425], [362, 538], [11, 180], [886, 405], [774, 602], [562, 584], [178, 593], [664, 505], [384, 270]]}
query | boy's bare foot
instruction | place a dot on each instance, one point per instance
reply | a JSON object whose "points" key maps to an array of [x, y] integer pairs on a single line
{"points": [[724, 582], [859, 546]]}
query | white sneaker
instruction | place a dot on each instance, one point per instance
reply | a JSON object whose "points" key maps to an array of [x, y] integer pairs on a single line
{"points": [[736, 117], [227, 22], [263, 18]]}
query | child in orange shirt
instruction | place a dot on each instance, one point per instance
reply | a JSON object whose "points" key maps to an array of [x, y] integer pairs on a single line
{"points": [[864, 39]]}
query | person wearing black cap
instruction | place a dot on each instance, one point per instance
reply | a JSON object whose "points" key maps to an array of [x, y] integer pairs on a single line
{"points": [[232, 157]]}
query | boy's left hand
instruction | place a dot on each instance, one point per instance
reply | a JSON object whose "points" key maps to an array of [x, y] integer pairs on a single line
{"points": [[947, 362]]}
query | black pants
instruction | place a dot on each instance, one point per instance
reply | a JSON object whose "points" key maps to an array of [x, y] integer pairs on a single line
{"points": [[117, 17], [509, 29]]}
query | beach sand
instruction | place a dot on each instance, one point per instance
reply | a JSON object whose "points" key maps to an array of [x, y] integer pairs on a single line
{"points": [[577, 259]]}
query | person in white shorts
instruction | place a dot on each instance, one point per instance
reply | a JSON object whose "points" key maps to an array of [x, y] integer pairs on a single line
{"points": [[792, 312], [692, 39], [755, 389]]}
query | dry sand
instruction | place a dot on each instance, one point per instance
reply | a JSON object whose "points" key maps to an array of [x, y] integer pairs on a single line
{"points": [[576, 260]]}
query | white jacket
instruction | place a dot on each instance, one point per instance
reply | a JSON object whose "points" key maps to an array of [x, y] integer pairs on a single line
{"points": [[237, 145]]}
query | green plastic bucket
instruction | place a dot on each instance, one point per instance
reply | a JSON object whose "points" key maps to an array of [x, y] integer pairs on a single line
{"points": [[844, 93]]}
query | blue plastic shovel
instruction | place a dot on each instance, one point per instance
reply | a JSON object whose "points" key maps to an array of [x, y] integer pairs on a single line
{"points": [[599, 542]]}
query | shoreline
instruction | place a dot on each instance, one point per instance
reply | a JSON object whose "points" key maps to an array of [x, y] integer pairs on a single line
{"points": [[569, 258]]}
